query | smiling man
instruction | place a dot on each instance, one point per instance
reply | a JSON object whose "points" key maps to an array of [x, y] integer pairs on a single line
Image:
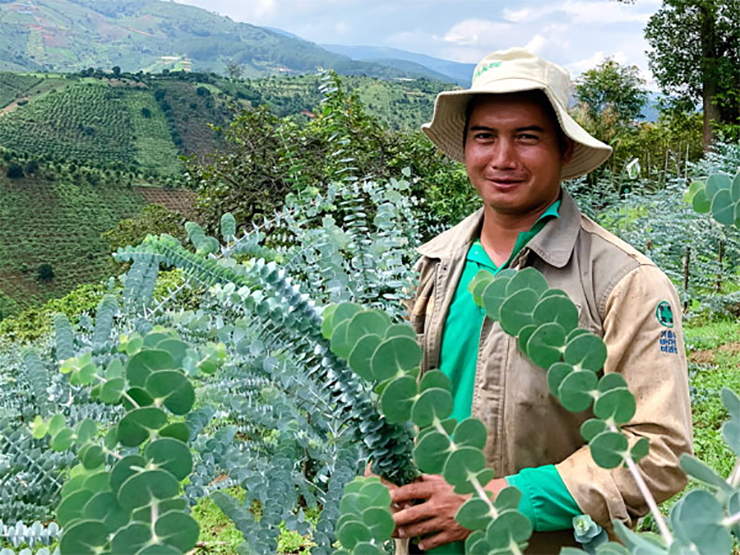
{"points": [[517, 141]]}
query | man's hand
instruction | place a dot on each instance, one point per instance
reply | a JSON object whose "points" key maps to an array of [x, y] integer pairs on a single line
{"points": [[435, 517]]}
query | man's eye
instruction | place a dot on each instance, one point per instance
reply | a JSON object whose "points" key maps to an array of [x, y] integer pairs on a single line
{"points": [[528, 137], [482, 136]]}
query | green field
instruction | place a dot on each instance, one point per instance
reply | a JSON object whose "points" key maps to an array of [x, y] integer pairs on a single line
{"points": [[59, 223]]}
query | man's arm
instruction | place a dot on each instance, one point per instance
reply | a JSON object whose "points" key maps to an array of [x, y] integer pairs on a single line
{"points": [[644, 339]]}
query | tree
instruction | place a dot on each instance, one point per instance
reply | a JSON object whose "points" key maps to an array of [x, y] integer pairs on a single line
{"points": [[234, 69], [696, 56], [14, 171], [611, 86], [45, 272]]}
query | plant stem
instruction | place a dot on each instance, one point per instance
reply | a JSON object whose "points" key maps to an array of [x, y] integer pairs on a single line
{"points": [[734, 479], [731, 520], [642, 486]]}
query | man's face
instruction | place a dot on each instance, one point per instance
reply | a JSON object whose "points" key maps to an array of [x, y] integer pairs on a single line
{"points": [[512, 154]]}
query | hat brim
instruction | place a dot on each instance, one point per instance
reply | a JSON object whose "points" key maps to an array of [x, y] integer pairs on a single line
{"points": [[448, 125]]}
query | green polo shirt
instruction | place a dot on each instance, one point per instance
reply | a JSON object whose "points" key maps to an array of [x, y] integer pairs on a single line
{"points": [[545, 499]]}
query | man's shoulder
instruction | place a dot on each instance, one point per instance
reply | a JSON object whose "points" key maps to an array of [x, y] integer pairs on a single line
{"points": [[614, 250]]}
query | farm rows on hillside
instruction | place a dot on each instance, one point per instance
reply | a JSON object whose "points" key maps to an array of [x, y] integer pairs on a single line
{"points": [[59, 223]]}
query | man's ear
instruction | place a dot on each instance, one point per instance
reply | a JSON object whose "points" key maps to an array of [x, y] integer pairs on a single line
{"points": [[570, 146]]}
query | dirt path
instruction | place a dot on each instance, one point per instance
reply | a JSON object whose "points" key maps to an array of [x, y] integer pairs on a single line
{"points": [[707, 356]]}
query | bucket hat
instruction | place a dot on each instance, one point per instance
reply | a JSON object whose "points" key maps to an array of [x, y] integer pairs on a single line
{"points": [[509, 71]]}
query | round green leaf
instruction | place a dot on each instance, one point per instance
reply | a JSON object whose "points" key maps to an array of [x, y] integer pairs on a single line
{"points": [[361, 356], [478, 284], [611, 381], [398, 398], [448, 426], [593, 427], [395, 355], [608, 449], [85, 538], [737, 214], [694, 188], [98, 481], [402, 330], [545, 345], [139, 396], [735, 188], [435, 378], [617, 405], [717, 183], [92, 456], [508, 499], [141, 488], [380, 523], [555, 376], [509, 527], [493, 297], [557, 309], [432, 403], [701, 202], [339, 344], [368, 322], [474, 514], [516, 311], [375, 493], [124, 469], [327, 323], [104, 507], [345, 311], [154, 338], [575, 333], [353, 532], [576, 391], [367, 548], [699, 521], [176, 348], [528, 278], [171, 455], [144, 514], [640, 449], [71, 507], [470, 433], [85, 431], [702, 472], [431, 452], [586, 351], [176, 430], [112, 390], [463, 464], [62, 440], [135, 428], [144, 363], [178, 530], [477, 543], [723, 209], [524, 334], [131, 539], [173, 389], [159, 549]]}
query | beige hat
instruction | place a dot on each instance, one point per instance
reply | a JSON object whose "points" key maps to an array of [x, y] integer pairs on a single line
{"points": [[507, 71]]}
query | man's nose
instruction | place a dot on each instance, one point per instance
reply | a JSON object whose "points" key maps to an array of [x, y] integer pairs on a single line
{"points": [[502, 155]]}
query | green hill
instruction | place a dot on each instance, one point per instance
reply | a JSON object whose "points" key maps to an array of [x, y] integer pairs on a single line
{"points": [[151, 35], [145, 122], [56, 218]]}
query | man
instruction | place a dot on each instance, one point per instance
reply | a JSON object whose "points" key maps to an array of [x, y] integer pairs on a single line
{"points": [[514, 135]]}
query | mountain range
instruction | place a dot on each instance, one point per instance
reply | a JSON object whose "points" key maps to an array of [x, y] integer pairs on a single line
{"points": [[154, 35]]}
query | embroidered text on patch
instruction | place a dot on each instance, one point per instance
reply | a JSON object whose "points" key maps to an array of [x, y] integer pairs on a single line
{"points": [[668, 342], [485, 68]]}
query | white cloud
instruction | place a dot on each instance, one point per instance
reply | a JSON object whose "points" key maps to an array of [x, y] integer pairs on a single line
{"points": [[535, 45], [603, 13], [515, 16], [476, 32]]}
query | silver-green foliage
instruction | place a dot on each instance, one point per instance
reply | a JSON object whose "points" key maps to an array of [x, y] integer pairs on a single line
{"points": [[388, 356]]}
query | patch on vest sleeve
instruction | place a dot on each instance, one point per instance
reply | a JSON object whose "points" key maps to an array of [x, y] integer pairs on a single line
{"points": [[668, 342], [664, 314]]}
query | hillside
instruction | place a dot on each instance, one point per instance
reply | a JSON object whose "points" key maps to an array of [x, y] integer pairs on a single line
{"points": [[152, 35], [144, 123], [57, 218]]}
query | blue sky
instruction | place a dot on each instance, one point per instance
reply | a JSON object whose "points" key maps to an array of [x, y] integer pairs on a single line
{"points": [[575, 33]]}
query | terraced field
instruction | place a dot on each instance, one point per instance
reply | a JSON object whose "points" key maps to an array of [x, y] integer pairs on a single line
{"points": [[60, 223]]}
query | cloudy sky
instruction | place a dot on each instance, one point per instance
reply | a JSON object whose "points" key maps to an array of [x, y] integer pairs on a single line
{"points": [[576, 33]]}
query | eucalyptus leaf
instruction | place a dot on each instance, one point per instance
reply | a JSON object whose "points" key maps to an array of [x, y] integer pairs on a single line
{"points": [[143, 363], [517, 310], [434, 403], [398, 399], [395, 355]]}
